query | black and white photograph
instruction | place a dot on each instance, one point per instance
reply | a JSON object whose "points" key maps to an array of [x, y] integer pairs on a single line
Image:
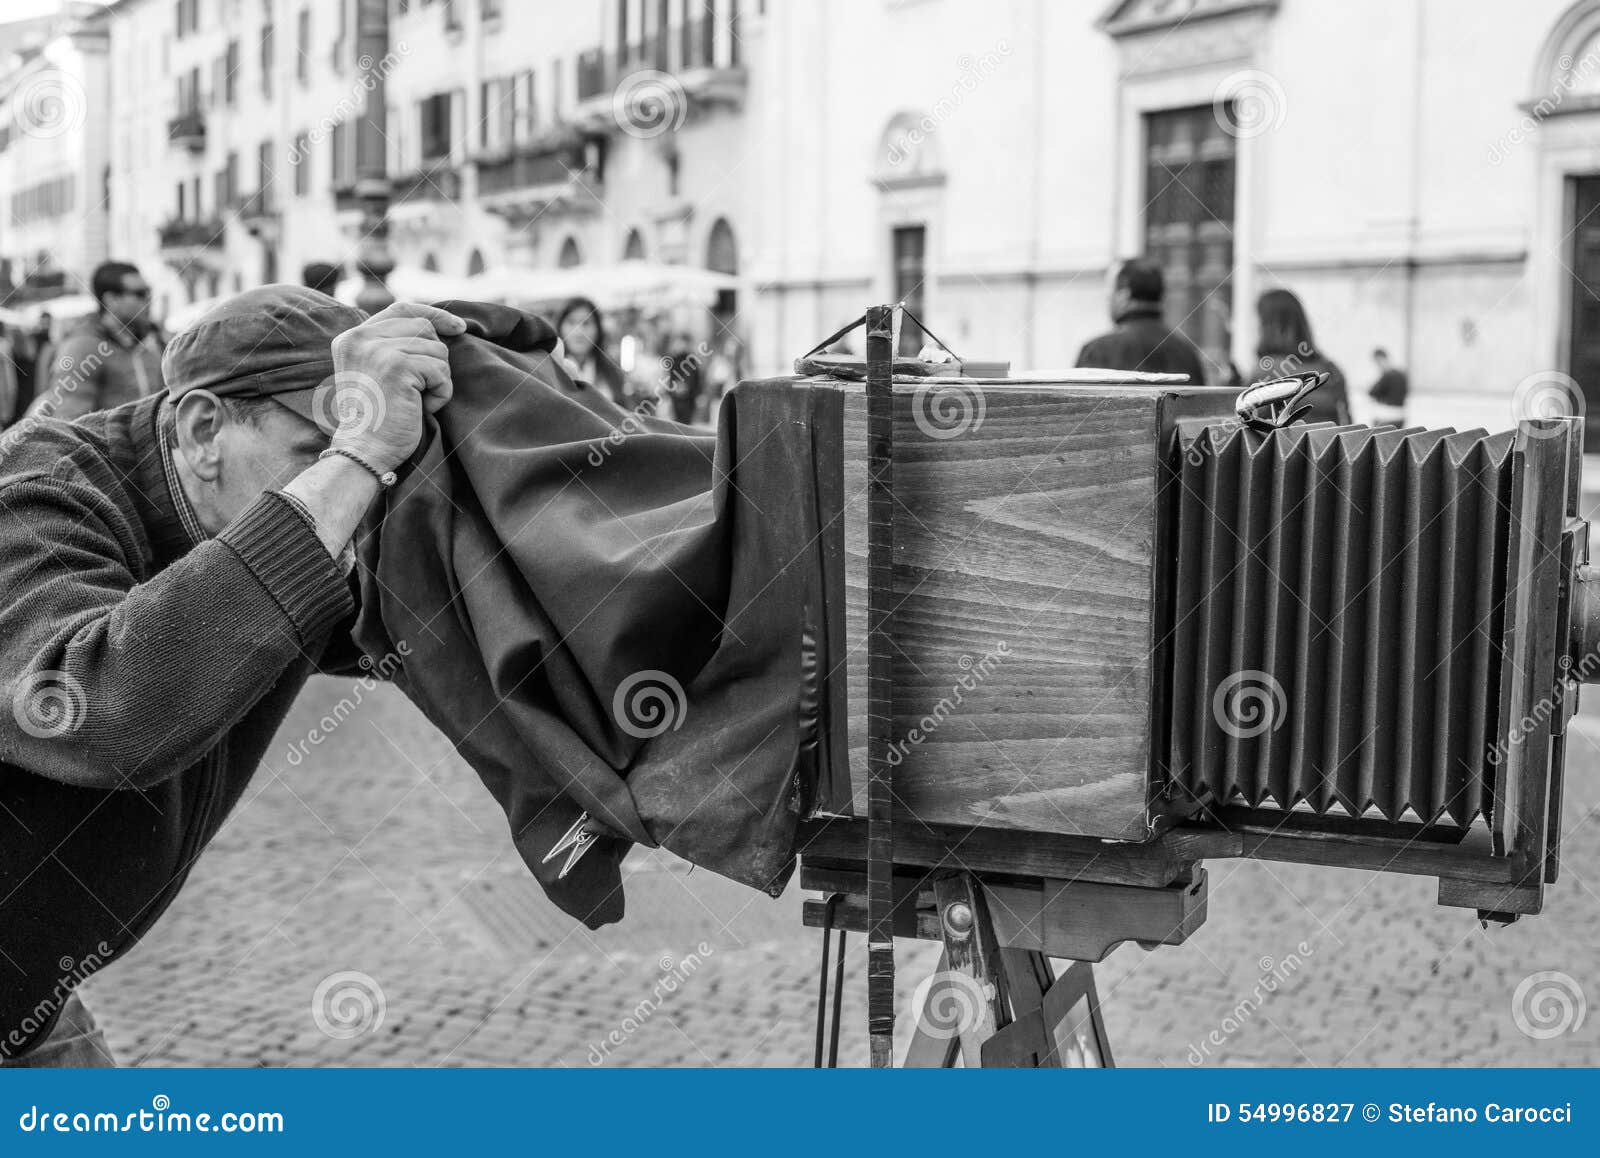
{"points": [[802, 534]]}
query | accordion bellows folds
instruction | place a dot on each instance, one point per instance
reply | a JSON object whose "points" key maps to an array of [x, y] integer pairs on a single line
{"points": [[1337, 620]]}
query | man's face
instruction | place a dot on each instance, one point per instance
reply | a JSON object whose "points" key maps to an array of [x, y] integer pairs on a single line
{"points": [[131, 303], [262, 455]]}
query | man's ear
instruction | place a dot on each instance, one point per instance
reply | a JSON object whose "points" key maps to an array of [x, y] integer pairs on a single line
{"points": [[200, 420]]}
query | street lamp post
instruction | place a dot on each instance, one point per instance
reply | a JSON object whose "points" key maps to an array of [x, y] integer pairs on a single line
{"points": [[373, 259]]}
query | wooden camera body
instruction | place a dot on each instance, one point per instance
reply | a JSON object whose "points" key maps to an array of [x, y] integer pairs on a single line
{"points": [[1132, 632]]}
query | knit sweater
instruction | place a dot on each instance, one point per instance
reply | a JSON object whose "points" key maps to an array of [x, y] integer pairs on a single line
{"points": [[143, 673]]}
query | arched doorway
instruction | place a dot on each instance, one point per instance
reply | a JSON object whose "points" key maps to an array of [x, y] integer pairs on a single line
{"points": [[475, 263], [570, 254], [1562, 117], [430, 263], [633, 248]]}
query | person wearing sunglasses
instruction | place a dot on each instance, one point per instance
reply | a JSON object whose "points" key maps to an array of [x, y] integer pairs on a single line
{"points": [[110, 357]]}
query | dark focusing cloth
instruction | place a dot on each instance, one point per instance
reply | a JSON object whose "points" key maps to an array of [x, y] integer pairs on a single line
{"points": [[608, 612]]}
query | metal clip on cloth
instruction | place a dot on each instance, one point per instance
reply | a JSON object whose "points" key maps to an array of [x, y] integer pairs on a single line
{"points": [[1270, 405]]}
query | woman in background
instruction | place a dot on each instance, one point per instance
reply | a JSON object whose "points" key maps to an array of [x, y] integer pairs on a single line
{"points": [[1285, 346], [583, 335]]}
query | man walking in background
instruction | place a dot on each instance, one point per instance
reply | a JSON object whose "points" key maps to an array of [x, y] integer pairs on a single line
{"points": [[1142, 339], [1388, 393], [321, 276], [107, 359]]}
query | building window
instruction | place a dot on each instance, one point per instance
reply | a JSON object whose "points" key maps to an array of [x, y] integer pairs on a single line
{"points": [[188, 17], [910, 244], [633, 248], [1188, 198], [527, 120], [302, 64], [341, 156], [230, 73], [434, 127], [570, 254], [301, 160], [264, 174], [475, 263], [498, 113], [266, 60]]}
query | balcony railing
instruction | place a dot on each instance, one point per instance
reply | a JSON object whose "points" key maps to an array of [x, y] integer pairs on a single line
{"points": [[186, 234], [689, 51], [187, 130], [435, 181], [533, 164]]}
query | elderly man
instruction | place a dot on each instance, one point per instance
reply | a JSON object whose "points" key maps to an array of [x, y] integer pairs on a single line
{"points": [[170, 576]]}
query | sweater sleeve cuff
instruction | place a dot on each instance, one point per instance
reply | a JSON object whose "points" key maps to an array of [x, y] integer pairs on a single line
{"points": [[285, 554]]}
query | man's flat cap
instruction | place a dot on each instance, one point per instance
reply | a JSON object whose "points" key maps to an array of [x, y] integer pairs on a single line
{"points": [[273, 342]]}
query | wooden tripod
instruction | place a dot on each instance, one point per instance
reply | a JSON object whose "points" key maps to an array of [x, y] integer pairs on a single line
{"points": [[995, 998]]}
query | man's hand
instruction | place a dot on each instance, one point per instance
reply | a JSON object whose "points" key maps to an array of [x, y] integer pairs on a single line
{"points": [[387, 372]]}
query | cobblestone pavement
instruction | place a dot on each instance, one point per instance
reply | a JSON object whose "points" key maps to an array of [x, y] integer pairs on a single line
{"points": [[364, 906]]}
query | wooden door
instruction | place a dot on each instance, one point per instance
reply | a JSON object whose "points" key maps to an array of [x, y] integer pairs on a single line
{"points": [[1583, 316]]}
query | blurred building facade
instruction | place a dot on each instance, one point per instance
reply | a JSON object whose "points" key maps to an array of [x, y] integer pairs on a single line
{"points": [[53, 154], [1421, 172]]}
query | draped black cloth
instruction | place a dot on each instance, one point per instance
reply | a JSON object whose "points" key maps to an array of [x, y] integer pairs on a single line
{"points": [[609, 612]]}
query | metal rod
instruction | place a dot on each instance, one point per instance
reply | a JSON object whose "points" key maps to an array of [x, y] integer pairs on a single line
{"points": [[880, 683]]}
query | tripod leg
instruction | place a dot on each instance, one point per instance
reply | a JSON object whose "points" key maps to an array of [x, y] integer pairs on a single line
{"points": [[932, 1046]]}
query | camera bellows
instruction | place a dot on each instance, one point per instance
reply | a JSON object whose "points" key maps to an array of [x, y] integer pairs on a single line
{"points": [[1336, 621]]}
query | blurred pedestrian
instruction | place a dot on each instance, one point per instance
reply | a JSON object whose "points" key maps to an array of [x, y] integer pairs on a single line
{"points": [[321, 276], [1142, 340], [1284, 346], [9, 409], [582, 331], [1388, 393], [684, 366], [110, 357]]}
